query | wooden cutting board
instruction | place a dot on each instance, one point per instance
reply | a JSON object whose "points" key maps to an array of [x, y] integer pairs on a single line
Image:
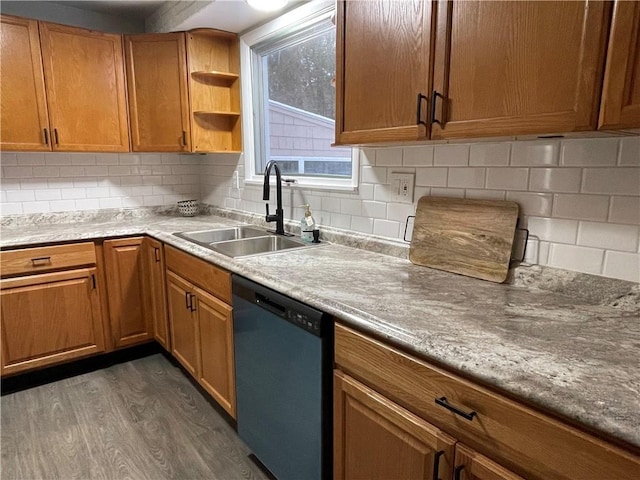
{"points": [[469, 237]]}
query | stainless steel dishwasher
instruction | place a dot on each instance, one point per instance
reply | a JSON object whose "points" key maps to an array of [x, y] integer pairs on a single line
{"points": [[283, 363]]}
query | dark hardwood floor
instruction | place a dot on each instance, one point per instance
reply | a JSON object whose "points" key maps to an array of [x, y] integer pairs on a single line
{"points": [[137, 420]]}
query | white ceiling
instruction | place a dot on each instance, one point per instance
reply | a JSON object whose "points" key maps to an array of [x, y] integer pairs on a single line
{"points": [[230, 15]]}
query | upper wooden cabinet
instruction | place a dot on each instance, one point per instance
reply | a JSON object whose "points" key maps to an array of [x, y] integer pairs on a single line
{"points": [[382, 67], [62, 88], [24, 124], [511, 68], [620, 106], [158, 96], [214, 90], [84, 75], [486, 69]]}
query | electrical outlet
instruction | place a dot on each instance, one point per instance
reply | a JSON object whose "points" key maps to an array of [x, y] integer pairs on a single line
{"points": [[402, 186]]}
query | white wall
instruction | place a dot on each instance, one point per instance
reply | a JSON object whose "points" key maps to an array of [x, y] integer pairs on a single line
{"points": [[59, 182], [53, 12], [580, 198]]}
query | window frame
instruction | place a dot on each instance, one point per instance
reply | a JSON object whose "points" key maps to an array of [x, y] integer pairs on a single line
{"points": [[293, 21]]}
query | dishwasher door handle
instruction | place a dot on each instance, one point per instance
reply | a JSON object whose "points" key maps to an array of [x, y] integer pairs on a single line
{"points": [[268, 304]]}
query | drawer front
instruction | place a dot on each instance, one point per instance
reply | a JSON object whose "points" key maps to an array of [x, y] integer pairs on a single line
{"points": [[213, 279], [44, 259], [528, 442]]}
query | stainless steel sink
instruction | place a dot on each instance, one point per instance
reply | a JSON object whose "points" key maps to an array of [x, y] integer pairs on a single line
{"points": [[243, 241], [256, 245], [206, 237]]}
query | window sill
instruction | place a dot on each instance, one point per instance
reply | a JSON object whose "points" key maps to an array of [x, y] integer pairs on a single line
{"points": [[315, 184]]}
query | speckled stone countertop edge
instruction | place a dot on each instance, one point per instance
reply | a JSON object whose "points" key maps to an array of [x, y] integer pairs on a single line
{"points": [[350, 316]]}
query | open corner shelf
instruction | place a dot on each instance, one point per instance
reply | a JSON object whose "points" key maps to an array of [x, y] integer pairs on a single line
{"points": [[212, 74], [216, 113]]}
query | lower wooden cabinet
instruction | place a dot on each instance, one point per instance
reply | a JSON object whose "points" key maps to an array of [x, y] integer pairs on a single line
{"points": [[376, 439], [495, 437], [201, 324], [49, 317], [130, 323], [155, 290]]}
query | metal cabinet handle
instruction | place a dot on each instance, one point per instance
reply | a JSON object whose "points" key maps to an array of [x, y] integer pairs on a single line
{"points": [[436, 465], [156, 251], [419, 120], [55, 136], [39, 261], [46, 137], [433, 107], [192, 305], [457, 475], [184, 139], [442, 401], [186, 300]]}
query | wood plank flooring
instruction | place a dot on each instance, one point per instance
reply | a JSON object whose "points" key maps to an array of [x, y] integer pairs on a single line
{"points": [[138, 420]]}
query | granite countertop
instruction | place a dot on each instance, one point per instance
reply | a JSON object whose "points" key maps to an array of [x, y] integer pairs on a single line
{"points": [[571, 356]]}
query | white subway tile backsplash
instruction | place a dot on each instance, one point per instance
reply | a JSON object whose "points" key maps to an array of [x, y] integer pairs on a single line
{"points": [[553, 229], [331, 204], [73, 193], [507, 178], [373, 174], [63, 206], [374, 209], [49, 194], [367, 156], [36, 207], [625, 266], [9, 208], [386, 228], [609, 236], [534, 153], [466, 177], [17, 172], [20, 195], [362, 224], [615, 181], [46, 172], [431, 177], [447, 192], [589, 152], [389, 157], [555, 179], [580, 259], [400, 211], [32, 159], [128, 159], [539, 204], [490, 154], [83, 159], [625, 210], [106, 159], [382, 193], [417, 156], [340, 220], [629, 154], [365, 190], [71, 171], [485, 194], [57, 159], [88, 204], [581, 207], [350, 207], [96, 171], [8, 159], [451, 155]]}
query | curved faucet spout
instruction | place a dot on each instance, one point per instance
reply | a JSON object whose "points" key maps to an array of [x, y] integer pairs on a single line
{"points": [[279, 216]]}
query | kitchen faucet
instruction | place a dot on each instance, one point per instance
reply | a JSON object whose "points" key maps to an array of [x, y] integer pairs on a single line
{"points": [[279, 216]]}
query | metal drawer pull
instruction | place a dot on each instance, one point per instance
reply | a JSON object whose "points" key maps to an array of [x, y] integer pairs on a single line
{"points": [[433, 108], [156, 251], [436, 465], [458, 472], [192, 305], [187, 297], [39, 261], [419, 120], [442, 401]]}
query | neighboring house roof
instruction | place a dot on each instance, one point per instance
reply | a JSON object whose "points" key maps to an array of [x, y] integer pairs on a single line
{"points": [[302, 115]]}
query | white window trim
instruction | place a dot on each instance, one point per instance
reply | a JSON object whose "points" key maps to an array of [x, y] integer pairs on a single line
{"points": [[307, 14]]}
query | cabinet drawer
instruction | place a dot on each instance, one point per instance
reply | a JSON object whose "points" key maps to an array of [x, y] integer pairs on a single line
{"points": [[43, 259], [208, 277], [526, 441]]}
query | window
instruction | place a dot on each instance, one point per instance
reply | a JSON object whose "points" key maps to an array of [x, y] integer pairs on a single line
{"points": [[292, 97]]}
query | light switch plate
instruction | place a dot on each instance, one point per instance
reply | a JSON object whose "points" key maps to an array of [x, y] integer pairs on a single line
{"points": [[402, 186]]}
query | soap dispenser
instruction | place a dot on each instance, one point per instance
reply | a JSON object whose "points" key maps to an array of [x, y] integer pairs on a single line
{"points": [[307, 225]]}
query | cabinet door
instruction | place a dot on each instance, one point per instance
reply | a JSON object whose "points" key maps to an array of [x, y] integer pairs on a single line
{"points": [[383, 52], [155, 291], [375, 438], [124, 269], [158, 98], [621, 91], [511, 68], [470, 465], [183, 321], [49, 318], [23, 108], [217, 374], [84, 75]]}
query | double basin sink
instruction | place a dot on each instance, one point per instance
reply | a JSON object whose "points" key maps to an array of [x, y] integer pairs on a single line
{"points": [[242, 241]]}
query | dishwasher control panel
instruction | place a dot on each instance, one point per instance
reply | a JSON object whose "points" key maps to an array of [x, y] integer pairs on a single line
{"points": [[304, 321]]}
